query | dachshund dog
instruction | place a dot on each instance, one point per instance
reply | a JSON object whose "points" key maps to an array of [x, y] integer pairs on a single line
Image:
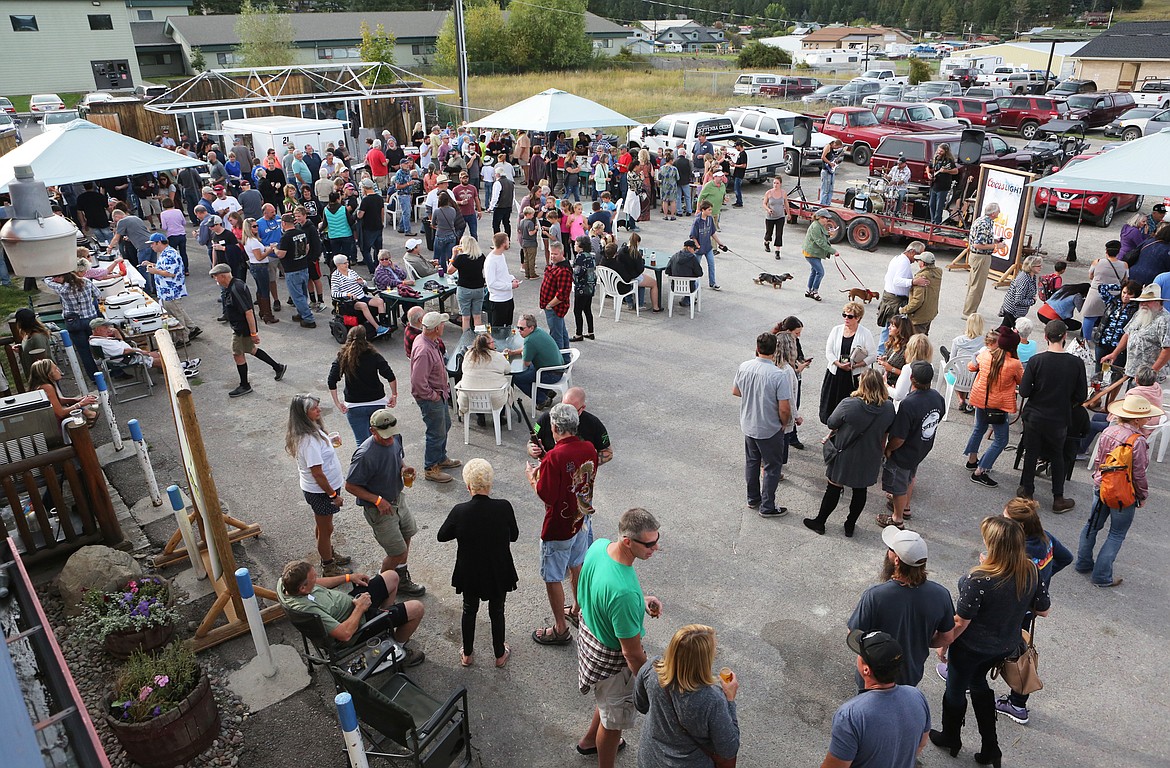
{"points": [[776, 281], [862, 294]]}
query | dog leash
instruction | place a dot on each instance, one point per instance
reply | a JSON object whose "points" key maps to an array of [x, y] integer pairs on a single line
{"points": [[838, 262]]}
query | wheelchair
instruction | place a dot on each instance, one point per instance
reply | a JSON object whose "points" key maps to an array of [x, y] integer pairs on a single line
{"points": [[346, 316]]}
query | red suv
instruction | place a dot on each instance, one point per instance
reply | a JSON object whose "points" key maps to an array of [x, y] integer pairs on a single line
{"points": [[1099, 207], [983, 112], [1027, 113], [1099, 109]]}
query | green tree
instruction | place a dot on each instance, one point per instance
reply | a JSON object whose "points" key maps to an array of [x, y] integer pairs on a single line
{"points": [[919, 71], [756, 55], [266, 36], [198, 60], [548, 36], [484, 33], [378, 45]]}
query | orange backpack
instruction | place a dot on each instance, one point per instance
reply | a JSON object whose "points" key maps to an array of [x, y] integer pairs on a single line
{"points": [[1117, 490]]}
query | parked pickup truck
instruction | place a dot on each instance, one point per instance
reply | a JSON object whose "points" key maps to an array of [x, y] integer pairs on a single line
{"points": [[911, 117], [771, 124], [684, 127], [883, 76], [1153, 93], [857, 128]]}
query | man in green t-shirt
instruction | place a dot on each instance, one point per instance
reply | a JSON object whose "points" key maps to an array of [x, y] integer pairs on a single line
{"points": [[301, 589], [609, 639], [540, 351]]}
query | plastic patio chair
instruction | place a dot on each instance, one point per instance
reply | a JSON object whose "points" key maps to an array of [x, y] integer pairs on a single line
{"points": [[684, 286], [480, 401], [610, 280], [559, 387], [957, 378]]}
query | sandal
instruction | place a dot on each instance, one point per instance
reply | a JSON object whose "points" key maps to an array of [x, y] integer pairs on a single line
{"points": [[888, 520], [502, 660], [549, 636], [465, 659], [573, 616], [905, 514], [593, 750]]}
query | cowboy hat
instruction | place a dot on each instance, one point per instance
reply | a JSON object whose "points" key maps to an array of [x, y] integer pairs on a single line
{"points": [[1134, 407], [1152, 292]]}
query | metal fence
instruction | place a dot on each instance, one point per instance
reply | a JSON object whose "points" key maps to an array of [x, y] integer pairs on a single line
{"points": [[722, 83]]}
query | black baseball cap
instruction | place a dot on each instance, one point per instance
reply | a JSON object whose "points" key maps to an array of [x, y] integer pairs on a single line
{"points": [[880, 651], [1159, 208]]}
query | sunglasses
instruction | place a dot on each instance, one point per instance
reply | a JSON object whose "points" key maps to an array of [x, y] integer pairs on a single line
{"points": [[848, 316], [648, 544]]}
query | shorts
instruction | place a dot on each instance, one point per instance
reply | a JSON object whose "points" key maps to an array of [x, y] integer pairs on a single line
{"points": [[470, 301], [320, 503], [379, 593], [557, 557], [151, 206], [392, 531], [614, 697], [896, 480], [243, 345], [347, 307], [314, 270]]}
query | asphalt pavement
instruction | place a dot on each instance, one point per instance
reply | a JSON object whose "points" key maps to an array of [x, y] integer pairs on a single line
{"points": [[777, 594]]}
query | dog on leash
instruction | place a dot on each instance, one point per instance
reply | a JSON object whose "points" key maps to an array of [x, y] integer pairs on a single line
{"points": [[862, 294], [776, 281]]}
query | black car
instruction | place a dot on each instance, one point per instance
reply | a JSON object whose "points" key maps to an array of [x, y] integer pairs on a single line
{"points": [[1072, 88]]}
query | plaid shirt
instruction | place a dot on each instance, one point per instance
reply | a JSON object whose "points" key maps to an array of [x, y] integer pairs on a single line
{"points": [[595, 662], [983, 231], [82, 301], [558, 283]]}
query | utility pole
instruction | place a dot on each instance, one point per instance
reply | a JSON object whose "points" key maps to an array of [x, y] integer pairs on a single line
{"points": [[461, 59]]}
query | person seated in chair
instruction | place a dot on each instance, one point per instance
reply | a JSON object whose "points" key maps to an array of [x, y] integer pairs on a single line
{"points": [[685, 263], [300, 589], [352, 292], [540, 351], [104, 335]]}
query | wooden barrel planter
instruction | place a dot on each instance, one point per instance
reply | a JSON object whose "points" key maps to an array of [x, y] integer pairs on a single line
{"points": [[175, 737], [121, 645]]}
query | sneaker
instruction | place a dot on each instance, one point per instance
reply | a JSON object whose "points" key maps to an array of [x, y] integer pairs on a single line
{"points": [[716, 287], [194, 332], [973, 464], [341, 559], [408, 586], [778, 512], [449, 463], [413, 657], [796, 444], [1005, 707], [240, 391], [941, 671], [437, 475], [753, 505], [382, 331], [309, 324], [295, 318], [281, 368], [984, 480]]}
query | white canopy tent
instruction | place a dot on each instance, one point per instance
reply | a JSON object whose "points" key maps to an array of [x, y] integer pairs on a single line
{"points": [[1140, 167], [554, 110], [85, 151]]}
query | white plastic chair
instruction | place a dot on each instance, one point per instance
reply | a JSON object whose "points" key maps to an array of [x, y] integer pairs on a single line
{"points": [[963, 379], [559, 387], [480, 401], [609, 280], [684, 286], [392, 211], [410, 273], [1160, 435]]}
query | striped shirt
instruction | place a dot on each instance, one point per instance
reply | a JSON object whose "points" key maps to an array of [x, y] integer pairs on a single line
{"points": [[346, 286]]}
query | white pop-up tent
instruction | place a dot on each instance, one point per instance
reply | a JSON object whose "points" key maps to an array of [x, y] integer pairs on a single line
{"points": [[85, 151], [554, 110], [1140, 167]]}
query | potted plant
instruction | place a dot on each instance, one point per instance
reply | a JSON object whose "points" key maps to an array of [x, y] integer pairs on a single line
{"points": [[162, 709], [138, 616]]}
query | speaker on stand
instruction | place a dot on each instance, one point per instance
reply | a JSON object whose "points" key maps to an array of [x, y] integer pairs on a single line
{"points": [[802, 131]]}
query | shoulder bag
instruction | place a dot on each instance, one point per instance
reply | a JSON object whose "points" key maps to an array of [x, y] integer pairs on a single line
{"points": [[830, 450], [1021, 670], [994, 415], [716, 760]]}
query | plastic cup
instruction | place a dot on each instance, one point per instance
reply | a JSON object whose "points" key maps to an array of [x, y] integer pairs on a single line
{"points": [[375, 645], [408, 476], [335, 438], [725, 674], [1106, 367]]}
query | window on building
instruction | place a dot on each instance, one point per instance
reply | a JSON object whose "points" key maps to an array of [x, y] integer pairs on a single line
{"points": [[328, 54], [423, 50], [603, 43], [146, 15], [99, 22], [24, 23], [226, 59]]}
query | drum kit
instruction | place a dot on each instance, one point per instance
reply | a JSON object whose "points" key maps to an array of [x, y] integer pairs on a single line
{"points": [[872, 196]]}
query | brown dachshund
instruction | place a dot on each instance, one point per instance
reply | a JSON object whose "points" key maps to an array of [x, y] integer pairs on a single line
{"points": [[862, 294]]}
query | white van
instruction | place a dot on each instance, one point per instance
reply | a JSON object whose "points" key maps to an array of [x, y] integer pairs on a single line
{"points": [[749, 84]]}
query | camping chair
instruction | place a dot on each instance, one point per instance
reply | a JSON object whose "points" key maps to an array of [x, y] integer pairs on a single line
{"points": [[560, 386], [683, 286], [958, 379], [610, 280], [480, 401], [347, 655], [402, 722], [136, 365]]}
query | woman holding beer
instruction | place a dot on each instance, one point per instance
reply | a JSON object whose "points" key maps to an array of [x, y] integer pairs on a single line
{"points": [[320, 474]]}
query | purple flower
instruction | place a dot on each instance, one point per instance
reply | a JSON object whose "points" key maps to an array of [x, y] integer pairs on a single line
{"points": [[161, 680], [156, 712], [146, 691]]}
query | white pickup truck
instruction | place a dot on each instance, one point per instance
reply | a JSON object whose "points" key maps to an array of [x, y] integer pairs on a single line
{"points": [[767, 155], [883, 76], [1153, 93]]}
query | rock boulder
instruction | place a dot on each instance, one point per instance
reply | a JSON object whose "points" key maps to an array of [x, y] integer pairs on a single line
{"points": [[94, 567]]}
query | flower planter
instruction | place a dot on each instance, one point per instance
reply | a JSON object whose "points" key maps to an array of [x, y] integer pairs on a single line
{"points": [[121, 645], [175, 737]]}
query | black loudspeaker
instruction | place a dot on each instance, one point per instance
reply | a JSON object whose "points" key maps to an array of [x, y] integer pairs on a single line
{"points": [[971, 146], [921, 209], [802, 129]]}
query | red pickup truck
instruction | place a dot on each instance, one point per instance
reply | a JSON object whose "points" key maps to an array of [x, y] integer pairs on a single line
{"points": [[857, 128]]}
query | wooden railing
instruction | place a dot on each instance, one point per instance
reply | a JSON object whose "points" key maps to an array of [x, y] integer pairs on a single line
{"points": [[59, 499]]}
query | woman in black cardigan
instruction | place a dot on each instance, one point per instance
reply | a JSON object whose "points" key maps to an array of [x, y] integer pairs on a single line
{"points": [[485, 529]]}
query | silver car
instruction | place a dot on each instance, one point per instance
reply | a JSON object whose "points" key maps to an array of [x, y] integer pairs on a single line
{"points": [[820, 95], [887, 93]]}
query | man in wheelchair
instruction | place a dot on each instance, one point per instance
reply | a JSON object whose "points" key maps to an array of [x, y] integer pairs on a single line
{"points": [[300, 589], [352, 294]]}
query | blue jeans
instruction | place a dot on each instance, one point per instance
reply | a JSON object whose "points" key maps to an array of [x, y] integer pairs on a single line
{"points": [[966, 670], [938, 205], [881, 350], [1119, 522], [404, 214], [1087, 324], [572, 189], [737, 184], [298, 286], [444, 244], [437, 418], [816, 273], [472, 225], [688, 201], [370, 243], [557, 328], [769, 452], [262, 276], [710, 267], [827, 178], [525, 380], [179, 243], [346, 245], [358, 417], [102, 235], [999, 439]]}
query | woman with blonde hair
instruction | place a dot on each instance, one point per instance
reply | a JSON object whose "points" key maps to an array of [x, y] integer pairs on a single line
{"points": [[993, 600], [859, 423], [691, 718], [467, 260], [918, 349], [319, 470], [46, 376], [484, 367], [849, 349]]}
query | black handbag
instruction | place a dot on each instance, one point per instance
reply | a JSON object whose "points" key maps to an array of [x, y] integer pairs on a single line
{"points": [[994, 415], [829, 449]]}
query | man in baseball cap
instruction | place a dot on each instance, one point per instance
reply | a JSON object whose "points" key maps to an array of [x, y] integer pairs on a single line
{"points": [[431, 388], [917, 612], [886, 724]]}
